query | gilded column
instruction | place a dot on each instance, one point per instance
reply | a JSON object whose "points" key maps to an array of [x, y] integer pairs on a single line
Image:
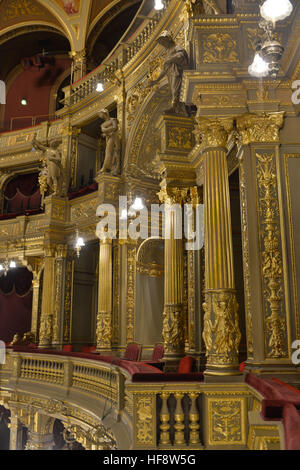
{"points": [[265, 272], [15, 426], [40, 432], [221, 332], [60, 277], [78, 65], [173, 315], [48, 296], [68, 298], [104, 316]]}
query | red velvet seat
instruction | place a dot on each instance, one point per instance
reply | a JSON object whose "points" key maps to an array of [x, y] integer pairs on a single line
{"points": [[186, 365], [132, 352], [158, 352], [88, 349], [68, 348]]}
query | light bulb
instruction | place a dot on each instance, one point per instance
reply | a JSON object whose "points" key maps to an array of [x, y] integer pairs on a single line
{"points": [[259, 68], [1, 267], [100, 87], [24, 102], [123, 214], [158, 5], [80, 242], [275, 10], [138, 204], [12, 265]]}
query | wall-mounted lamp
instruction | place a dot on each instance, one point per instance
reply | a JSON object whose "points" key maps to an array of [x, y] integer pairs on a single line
{"points": [[79, 244]]}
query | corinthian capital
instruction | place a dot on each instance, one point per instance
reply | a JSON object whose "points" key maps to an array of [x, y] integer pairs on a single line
{"points": [[172, 195], [260, 127], [213, 132]]}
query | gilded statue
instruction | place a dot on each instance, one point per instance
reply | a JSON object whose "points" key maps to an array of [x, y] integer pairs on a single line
{"points": [[51, 176], [110, 130], [27, 339], [176, 59]]}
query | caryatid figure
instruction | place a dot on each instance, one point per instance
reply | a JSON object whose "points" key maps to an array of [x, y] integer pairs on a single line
{"points": [[110, 129], [176, 60]]}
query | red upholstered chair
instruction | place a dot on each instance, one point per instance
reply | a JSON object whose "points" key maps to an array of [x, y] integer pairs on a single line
{"points": [[133, 352], [158, 352], [186, 365], [68, 348]]}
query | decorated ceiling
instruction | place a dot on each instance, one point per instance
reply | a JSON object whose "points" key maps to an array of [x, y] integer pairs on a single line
{"points": [[74, 18]]}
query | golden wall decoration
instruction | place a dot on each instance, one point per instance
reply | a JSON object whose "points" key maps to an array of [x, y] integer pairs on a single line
{"points": [[131, 292], [245, 243], [116, 293], [226, 421], [180, 138], [260, 127], [68, 303], [219, 48], [144, 419], [271, 251]]}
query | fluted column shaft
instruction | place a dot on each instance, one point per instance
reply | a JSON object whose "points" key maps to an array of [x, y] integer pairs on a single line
{"points": [[221, 332], [48, 295], [104, 317], [173, 321]]}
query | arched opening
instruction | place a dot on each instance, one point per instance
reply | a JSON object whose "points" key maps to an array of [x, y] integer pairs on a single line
{"points": [[150, 293], [15, 303], [85, 297], [32, 63], [21, 196], [108, 32]]}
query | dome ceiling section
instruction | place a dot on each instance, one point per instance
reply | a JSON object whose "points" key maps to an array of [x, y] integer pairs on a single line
{"points": [[14, 13]]}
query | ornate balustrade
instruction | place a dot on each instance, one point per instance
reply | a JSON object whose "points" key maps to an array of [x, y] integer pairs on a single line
{"points": [[98, 379], [173, 415], [200, 416], [124, 52]]}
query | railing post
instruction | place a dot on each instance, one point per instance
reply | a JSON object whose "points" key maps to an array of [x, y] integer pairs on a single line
{"points": [[194, 420], [164, 419], [179, 420], [68, 374]]}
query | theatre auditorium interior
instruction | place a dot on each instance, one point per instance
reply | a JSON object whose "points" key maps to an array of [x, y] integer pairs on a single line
{"points": [[149, 243]]}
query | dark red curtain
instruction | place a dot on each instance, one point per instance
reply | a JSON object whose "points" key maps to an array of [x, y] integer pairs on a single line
{"points": [[15, 303], [22, 194]]}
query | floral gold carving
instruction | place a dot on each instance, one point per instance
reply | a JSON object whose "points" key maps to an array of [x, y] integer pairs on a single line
{"points": [[221, 335], [144, 420], [226, 421], [272, 264], [219, 48], [213, 132], [260, 127]]}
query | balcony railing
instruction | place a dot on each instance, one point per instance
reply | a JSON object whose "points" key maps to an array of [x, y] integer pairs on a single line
{"points": [[136, 36]]}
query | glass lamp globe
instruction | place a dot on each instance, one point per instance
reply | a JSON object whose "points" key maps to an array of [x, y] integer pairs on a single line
{"points": [[275, 10], [259, 68], [80, 242], [138, 204], [99, 87], [158, 5]]}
